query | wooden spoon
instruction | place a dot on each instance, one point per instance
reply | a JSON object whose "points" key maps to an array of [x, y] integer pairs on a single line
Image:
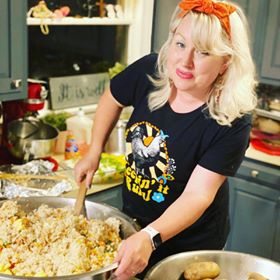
{"points": [[80, 199]]}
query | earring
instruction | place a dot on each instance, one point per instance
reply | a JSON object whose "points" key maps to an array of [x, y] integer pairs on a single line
{"points": [[218, 88], [171, 83]]}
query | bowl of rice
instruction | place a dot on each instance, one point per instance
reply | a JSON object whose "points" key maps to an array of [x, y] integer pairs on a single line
{"points": [[40, 237]]}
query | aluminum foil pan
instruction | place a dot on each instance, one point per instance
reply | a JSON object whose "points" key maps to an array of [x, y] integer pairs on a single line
{"points": [[233, 265], [13, 186]]}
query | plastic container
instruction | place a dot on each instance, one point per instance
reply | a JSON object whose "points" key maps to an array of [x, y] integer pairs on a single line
{"points": [[80, 126], [71, 147]]}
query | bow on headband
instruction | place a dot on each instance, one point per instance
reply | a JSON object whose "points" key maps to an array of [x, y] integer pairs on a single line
{"points": [[219, 9]]}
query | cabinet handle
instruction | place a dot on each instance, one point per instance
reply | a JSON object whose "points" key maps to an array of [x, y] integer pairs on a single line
{"points": [[254, 173], [16, 83]]}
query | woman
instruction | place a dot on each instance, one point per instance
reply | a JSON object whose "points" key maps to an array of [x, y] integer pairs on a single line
{"points": [[189, 130]]}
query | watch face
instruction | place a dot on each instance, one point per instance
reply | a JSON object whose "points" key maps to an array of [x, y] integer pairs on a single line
{"points": [[157, 240]]}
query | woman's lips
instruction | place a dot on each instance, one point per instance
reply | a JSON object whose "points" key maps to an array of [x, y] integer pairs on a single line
{"points": [[184, 75]]}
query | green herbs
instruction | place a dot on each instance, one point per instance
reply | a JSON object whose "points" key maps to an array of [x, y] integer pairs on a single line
{"points": [[58, 120]]}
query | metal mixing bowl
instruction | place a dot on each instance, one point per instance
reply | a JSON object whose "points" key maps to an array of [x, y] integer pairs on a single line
{"points": [[29, 139], [94, 210], [234, 265]]}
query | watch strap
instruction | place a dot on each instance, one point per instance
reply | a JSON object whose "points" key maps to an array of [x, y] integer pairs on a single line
{"points": [[154, 236]]}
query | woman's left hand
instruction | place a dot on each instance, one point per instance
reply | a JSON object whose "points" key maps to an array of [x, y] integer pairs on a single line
{"points": [[133, 255]]}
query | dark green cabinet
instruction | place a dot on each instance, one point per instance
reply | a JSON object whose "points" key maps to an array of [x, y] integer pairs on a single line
{"points": [[255, 210], [13, 50], [271, 56], [112, 197], [264, 22], [255, 10]]}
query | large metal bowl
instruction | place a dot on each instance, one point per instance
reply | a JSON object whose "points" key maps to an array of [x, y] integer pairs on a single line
{"points": [[29, 138], [234, 265], [94, 210]]}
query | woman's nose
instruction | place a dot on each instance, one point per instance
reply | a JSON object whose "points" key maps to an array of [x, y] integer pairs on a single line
{"points": [[188, 59]]}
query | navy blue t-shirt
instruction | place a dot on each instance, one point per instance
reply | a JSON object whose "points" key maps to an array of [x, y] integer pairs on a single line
{"points": [[163, 148]]}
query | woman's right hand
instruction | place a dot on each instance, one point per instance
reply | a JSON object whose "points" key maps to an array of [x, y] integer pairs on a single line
{"points": [[86, 167]]}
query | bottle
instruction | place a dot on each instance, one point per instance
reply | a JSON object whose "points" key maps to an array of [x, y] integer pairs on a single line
{"points": [[81, 126], [71, 147]]}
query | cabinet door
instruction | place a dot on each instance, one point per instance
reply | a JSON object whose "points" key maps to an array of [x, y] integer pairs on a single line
{"points": [[254, 219], [271, 56], [13, 49], [111, 197], [256, 11]]}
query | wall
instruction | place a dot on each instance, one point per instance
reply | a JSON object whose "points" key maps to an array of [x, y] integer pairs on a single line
{"points": [[163, 10]]}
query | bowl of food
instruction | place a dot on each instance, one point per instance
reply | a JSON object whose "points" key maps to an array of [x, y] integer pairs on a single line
{"points": [[41, 237], [224, 265], [111, 168]]}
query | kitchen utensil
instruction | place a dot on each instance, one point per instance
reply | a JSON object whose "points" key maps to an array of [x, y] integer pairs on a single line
{"points": [[25, 128], [94, 210], [31, 144], [80, 199], [233, 265]]}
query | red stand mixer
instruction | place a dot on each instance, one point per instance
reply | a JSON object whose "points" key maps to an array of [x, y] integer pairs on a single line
{"points": [[18, 109]]}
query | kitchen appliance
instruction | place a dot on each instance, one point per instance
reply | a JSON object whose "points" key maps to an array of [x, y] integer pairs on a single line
{"points": [[233, 265], [13, 110], [94, 210], [37, 95], [29, 138]]}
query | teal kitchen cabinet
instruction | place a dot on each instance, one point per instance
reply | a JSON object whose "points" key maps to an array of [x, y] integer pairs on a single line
{"points": [[112, 197], [13, 50], [271, 55], [255, 210], [256, 11], [264, 22]]}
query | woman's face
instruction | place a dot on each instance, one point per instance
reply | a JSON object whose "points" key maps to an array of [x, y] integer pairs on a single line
{"points": [[191, 71]]}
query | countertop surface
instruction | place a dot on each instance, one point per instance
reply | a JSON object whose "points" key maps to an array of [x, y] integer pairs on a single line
{"points": [[95, 188], [252, 153]]}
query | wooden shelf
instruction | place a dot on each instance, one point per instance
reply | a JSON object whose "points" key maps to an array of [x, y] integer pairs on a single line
{"points": [[79, 21]]}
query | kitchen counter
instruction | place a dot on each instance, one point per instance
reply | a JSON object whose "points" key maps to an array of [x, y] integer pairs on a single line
{"points": [[251, 153], [262, 157], [95, 188]]}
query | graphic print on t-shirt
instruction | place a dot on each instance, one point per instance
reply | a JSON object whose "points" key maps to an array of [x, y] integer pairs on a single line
{"points": [[149, 167]]}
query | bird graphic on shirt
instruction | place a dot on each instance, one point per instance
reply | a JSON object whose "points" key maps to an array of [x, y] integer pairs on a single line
{"points": [[145, 150]]}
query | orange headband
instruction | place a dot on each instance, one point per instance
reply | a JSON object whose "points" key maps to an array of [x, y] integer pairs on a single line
{"points": [[219, 9]]}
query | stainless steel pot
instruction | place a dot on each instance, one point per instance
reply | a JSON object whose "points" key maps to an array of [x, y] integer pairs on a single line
{"points": [[30, 138], [94, 210], [234, 265], [116, 140]]}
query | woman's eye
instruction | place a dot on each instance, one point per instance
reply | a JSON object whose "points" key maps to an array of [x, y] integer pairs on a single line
{"points": [[180, 44], [201, 52]]}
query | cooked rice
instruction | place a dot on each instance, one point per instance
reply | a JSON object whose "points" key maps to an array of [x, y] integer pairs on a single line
{"points": [[54, 242]]}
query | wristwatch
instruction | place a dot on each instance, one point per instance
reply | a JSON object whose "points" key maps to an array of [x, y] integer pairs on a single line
{"points": [[154, 236]]}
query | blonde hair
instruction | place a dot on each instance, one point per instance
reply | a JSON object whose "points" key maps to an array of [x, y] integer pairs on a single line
{"points": [[233, 93]]}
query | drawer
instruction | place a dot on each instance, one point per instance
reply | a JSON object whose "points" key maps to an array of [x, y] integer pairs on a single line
{"points": [[259, 173]]}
